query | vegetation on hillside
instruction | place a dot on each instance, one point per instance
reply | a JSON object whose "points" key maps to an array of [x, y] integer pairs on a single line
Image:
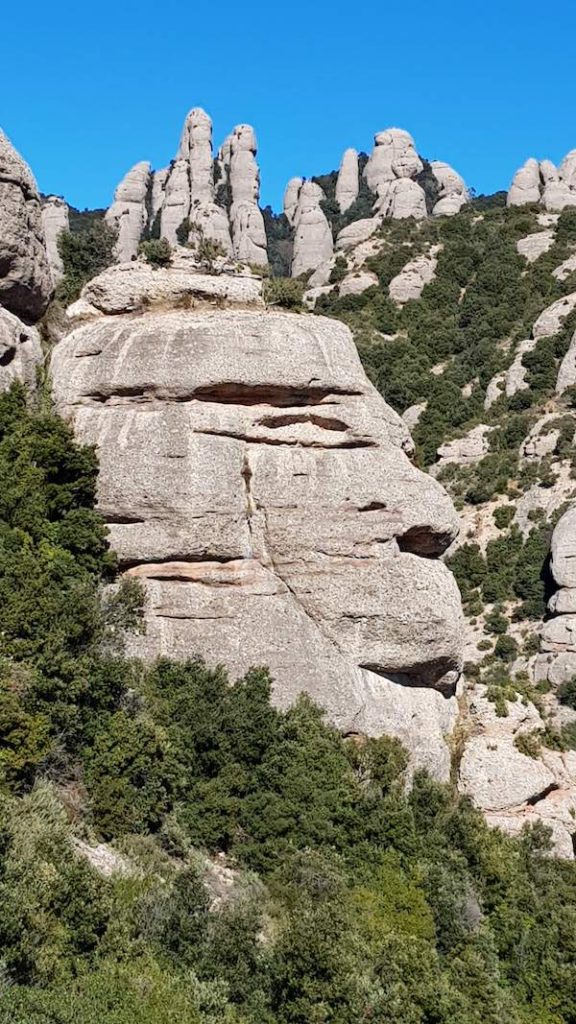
{"points": [[351, 899]]}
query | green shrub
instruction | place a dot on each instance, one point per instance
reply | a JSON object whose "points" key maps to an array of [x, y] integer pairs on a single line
{"points": [[84, 254], [157, 252], [285, 292]]}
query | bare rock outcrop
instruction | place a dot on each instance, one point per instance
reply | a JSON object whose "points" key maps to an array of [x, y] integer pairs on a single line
{"points": [[410, 281], [291, 194], [128, 214], [511, 787], [552, 187], [532, 246], [246, 221], [258, 485], [567, 371], [55, 220], [25, 277], [390, 173], [347, 184], [526, 185], [452, 190], [20, 351], [313, 243], [176, 205]]}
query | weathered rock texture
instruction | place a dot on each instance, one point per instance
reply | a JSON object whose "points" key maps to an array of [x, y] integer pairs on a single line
{"points": [[452, 190], [55, 220], [258, 485], [20, 351], [410, 282], [25, 277], [347, 185], [313, 243], [128, 214], [238, 159], [552, 187]]}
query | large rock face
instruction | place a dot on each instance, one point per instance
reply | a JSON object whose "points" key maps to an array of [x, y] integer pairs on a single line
{"points": [[25, 277], [259, 486]]}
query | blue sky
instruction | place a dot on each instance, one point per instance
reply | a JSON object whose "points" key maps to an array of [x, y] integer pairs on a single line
{"points": [[95, 87]]}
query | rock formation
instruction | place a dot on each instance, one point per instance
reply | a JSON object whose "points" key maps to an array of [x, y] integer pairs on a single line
{"points": [[552, 187], [175, 208], [129, 213], [20, 351], [410, 281], [243, 177], [285, 525], [347, 184], [187, 202], [313, 243], [25, 277], [55, 219], [452, 191]]}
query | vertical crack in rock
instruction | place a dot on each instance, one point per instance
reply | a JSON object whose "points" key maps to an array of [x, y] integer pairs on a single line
{"points": [[246, 474]]}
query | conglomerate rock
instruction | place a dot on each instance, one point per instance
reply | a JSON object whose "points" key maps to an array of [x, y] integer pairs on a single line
{"points": [[259, 486], [20, 351], [313, 243], [128, 214], [55, 220], [25, 277]]}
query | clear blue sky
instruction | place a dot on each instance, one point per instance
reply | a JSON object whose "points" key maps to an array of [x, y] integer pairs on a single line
{"points": [[90, 88]]}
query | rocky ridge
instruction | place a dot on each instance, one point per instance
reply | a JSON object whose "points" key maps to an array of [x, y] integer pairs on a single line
{"points": [[201, 197]]}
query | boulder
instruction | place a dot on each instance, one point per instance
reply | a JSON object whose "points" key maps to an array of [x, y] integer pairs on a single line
{"points": [[347, 183], [551, 319], [128, 214], [137, 287], [563, 602], [358, 282], [559, 635], [565, 269], [25, 276], [465, 450], [532, 246], [394, 156], [558, 195], [412, 414], [357, 231], [55, 220], [402, 198], [410, 282], [452, 191], [258, 485]]}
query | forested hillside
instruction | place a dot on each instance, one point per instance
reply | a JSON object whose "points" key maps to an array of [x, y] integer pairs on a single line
{"points": [[257, 867]]}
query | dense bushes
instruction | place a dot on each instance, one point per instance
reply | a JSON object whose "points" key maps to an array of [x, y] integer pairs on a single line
{"points": [[351, 899], [84, 254]]}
